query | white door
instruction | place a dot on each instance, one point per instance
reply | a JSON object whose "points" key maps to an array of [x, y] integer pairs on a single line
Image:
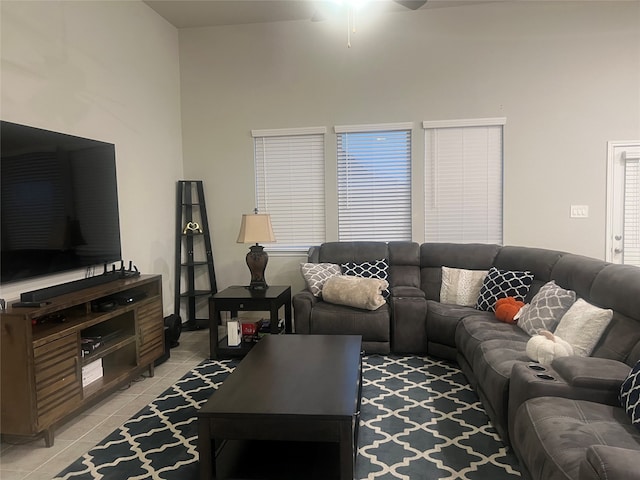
{"points": [[623, 203]]}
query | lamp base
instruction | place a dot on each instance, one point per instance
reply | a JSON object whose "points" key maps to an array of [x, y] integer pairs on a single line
{"points": [[257, 260]]}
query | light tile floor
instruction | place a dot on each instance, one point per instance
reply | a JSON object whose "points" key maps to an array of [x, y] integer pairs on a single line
{"points": [[32, 460]]}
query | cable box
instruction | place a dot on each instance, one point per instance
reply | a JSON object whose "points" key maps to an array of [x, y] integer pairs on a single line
{"points": [[127, 298]]}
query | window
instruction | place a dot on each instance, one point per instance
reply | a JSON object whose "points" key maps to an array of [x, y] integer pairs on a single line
{"points": [[374, 182], [631, 229], [463, 181], [623, 203], [289, 168]]}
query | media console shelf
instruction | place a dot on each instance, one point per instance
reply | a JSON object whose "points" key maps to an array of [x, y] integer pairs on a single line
{"points": [[59, 359]]}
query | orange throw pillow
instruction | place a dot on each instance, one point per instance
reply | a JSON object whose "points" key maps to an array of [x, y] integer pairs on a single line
{"points": [[507, 308]]}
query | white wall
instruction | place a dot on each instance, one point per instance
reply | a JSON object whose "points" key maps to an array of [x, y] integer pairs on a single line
{"points": [[565, 74], [108, 71]]}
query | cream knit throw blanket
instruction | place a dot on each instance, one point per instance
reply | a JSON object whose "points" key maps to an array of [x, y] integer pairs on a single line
{"points": [[356, 292]]}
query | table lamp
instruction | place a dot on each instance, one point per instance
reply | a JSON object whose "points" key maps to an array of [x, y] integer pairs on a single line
{"points": [[256, 228]]}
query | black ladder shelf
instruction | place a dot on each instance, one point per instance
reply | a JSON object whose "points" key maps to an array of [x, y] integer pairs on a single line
{"points": [[193, 252]]}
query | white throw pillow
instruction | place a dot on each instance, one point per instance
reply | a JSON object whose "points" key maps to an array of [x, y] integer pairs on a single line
{"points": [[358, 292], [460, 286], [316, 274], [583, 325]]}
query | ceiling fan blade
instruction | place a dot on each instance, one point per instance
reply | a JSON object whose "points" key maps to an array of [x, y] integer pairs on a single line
{"points": [[411, 4]]}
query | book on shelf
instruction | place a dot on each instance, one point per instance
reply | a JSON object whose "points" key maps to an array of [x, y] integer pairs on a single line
{"points": [[91, 372], [234, 334]]}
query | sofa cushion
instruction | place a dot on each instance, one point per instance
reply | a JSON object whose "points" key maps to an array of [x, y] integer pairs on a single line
{"points": [[577, 273], [491, 348], [355, 292], [539, 261], [330, 319], [618, 287], [492, 364], [603, 461], [316, 274], [630, 395], [404, 264], [503, 283], [357, 251], [443, 318], [474, 330], [461, 286], [583, 325], [546, 309], [552, 434]]}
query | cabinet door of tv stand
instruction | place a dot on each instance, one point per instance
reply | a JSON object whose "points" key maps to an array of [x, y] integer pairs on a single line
{"points": [[58, 384], [48, 374]]}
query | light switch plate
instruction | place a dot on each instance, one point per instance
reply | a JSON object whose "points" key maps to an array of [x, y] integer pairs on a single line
{"points": [[579, 211]]}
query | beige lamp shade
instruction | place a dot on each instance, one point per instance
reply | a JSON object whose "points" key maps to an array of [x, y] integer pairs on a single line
{"points": [[256, 228]]}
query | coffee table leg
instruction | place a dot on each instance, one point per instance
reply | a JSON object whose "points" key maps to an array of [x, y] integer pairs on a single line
{"points": [[205, 449], [347, 452]]}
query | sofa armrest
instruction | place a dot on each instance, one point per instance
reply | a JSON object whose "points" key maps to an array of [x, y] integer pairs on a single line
{"points": [[603, 462], [409, 313], [591, 372], [531, 380], [403, 291], [303, 303]]}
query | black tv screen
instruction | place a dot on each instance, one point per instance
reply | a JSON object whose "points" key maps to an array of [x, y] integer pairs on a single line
{"points": [[58, 203]]}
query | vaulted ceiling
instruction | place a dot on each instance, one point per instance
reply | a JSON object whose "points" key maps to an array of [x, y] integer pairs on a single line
{"points": [[202, 13]]}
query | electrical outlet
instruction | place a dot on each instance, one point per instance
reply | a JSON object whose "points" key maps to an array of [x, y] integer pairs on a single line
{"points": [[579, 211]]}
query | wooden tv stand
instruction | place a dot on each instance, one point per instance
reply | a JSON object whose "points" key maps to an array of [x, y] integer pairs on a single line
{"points": [[42, 356]]}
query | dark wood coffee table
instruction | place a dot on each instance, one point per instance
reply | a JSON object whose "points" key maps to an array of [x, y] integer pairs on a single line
{"points": [[289, 388]]}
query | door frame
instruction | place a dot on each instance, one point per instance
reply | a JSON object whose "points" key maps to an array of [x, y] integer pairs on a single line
{"points": [[613, 149]]}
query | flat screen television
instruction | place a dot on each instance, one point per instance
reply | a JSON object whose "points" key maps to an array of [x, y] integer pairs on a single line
{"points": [[58, 203]]}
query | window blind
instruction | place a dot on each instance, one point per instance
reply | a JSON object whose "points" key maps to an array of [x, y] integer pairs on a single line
{"points": [[289, 167], [631, 235], [374, 184], [463, 184]]}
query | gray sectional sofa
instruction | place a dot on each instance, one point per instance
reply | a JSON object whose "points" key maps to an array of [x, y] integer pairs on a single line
{"points": [[532, 406]]}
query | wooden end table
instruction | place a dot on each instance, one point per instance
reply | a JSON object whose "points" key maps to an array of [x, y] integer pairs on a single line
{"points": [[240, 298]]}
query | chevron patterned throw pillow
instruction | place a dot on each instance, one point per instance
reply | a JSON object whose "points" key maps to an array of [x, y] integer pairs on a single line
{"points": [[546, 309], [503, 283], [376, 269], [316, 274], [630, 395]]}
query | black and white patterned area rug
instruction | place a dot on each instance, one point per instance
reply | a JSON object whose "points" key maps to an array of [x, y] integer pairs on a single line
{"points": [[419, 420]]}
